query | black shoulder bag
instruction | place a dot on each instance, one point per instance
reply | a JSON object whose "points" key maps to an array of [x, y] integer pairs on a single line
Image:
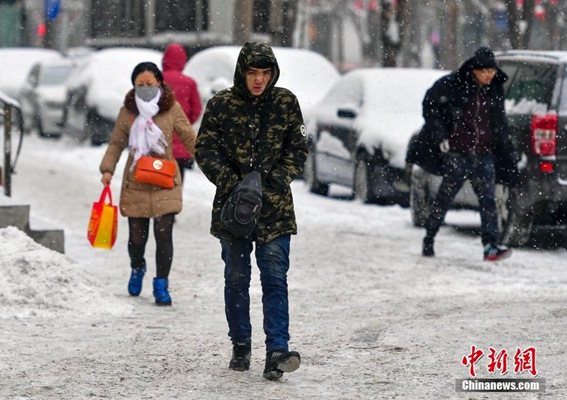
{"points": [[241, 211]]}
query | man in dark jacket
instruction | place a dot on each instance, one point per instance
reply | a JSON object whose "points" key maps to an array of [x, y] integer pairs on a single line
{"points": [[464, 113], [254, 125]]}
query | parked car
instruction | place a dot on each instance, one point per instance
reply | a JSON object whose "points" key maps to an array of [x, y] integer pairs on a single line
{"points": [[358, 133], [42, 98], [96, 90], [536, 106], [306, 73], [16, 63]]}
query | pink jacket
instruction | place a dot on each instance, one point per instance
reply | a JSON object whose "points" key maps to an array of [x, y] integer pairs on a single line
{"points": [[185, 89]]}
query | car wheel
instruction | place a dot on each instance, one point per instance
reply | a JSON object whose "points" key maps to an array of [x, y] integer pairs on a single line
{"points": [[362, 187], [39, 127], [515, 225], [29, 122], [96, 129], [420, 199], [310, 175]]}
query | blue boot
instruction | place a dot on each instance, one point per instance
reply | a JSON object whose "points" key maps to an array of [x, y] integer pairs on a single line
{"points": [[136, 280], [160, 292]]}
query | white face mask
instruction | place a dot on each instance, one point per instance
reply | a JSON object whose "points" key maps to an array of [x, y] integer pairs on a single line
{"points": [[147, 93]]}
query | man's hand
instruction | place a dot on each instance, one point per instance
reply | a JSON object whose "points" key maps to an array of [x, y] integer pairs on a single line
{"points": [[444, 146]]}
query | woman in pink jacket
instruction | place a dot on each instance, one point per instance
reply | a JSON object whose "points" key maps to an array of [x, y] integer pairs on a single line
{"points": [[185, 89]]}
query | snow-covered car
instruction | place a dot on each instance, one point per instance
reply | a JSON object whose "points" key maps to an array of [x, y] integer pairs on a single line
{"points": [[42, 98], [16, 63], [308, 74], [96, 90], [359, 132]]}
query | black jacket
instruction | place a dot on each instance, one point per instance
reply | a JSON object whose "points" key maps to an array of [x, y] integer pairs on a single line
{"points": [[442, 105]]}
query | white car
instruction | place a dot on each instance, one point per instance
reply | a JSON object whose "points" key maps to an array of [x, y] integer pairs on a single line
{"points": [[359, 132], [16, 63], [42, 98], [96, 91], [308, 74]]}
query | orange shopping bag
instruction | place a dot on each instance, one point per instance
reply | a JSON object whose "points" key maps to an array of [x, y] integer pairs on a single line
{"points": [[104, 221]]}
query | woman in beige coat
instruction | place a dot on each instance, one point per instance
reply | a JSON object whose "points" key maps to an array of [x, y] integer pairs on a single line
{"points": [[145, 125]]}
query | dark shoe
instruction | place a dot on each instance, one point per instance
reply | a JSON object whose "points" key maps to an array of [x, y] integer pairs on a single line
{"points": [[427, 249], [495, 253], [161, 293], [240, 360], [280, 361], [136, 280]]}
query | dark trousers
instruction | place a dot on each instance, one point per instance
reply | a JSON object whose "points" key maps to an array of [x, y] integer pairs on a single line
{"points": [[138, 237], [480, 171], [273, 262]]}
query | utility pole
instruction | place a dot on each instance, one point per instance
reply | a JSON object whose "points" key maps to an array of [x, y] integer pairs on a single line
{"points": [[150, 17]]}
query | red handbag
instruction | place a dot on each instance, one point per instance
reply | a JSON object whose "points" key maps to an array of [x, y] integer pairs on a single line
{"points": [[155, 171]]}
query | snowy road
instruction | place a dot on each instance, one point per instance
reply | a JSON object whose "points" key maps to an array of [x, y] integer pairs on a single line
{"points": [[371, 317]]}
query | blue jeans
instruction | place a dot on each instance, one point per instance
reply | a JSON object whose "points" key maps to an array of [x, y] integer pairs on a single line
{"points": [[480, 171], [273, 262]]}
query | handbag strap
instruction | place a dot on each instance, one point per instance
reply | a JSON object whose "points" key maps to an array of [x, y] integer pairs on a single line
{"points": [[106, 192]]}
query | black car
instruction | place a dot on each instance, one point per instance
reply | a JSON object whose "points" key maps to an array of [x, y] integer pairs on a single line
{"points": [[536, 106]]}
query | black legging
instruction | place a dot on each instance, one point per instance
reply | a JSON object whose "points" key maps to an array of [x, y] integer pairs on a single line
{"points": [[163, 233]]}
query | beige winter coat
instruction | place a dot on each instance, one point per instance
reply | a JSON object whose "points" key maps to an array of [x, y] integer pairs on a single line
{"points": [[141, 200]]}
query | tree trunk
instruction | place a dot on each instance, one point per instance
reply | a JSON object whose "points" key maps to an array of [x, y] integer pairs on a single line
{"points": [[520, 23], [390, 32], [282, 22], [449, 32], [243, 10]]}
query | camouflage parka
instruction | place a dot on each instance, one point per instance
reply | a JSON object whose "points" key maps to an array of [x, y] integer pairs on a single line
{"points": [[227, 144]]}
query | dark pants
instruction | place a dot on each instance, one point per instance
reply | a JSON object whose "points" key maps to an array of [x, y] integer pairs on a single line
{"points": [[273, 262], [138, 237], [480, 171]]}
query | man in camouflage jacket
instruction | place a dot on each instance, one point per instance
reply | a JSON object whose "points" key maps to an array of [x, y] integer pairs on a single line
{"points": [[255, 125]]}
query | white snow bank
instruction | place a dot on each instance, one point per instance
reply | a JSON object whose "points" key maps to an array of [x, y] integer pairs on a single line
{"points": [[41, 282]]}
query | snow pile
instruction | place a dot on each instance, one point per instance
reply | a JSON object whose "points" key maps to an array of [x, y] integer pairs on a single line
{"points": [[41, 282]]}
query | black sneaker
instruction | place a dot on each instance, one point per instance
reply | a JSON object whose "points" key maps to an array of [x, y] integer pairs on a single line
{"points": [[280, 361], [240, 360], [427, 249], [495, 253]]}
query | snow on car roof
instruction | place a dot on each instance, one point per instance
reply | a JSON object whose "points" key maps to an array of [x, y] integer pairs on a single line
{"points": [[16, 63], [555, 56], [106, 73], [306, 73], [387, 102]]}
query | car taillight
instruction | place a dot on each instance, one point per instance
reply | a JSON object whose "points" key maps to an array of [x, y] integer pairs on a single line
{"points": [[544, 130]]}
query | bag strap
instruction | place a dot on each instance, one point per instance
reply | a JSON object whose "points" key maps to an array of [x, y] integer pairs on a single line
{"points": [[106, 192]]}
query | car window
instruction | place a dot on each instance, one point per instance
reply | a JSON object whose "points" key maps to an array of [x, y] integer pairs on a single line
{"points": [[32, 77], [510, 69], [531, 88], [55, 75]]}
